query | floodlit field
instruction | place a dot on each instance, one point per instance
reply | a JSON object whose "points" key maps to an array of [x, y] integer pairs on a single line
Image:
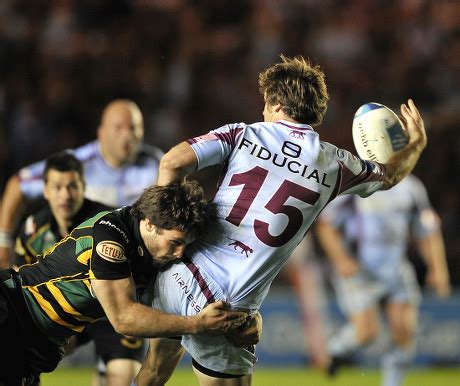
{"points": [[280, 377]]}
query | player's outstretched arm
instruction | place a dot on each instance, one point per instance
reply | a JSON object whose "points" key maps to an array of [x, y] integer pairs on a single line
{"points": [[9, 214], [135, 319], [176, 164], [402, 162]]}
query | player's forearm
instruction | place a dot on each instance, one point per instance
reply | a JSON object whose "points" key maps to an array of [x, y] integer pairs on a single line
{"points": [[142, 321], [433, 251], [177, 163], [331, 242]]}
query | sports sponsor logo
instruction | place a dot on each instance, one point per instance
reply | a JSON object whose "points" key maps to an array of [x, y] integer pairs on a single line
{"points": [[238, 244], [30, 226], [108, 223], [192, 302], [111, 251], [297, 134]]}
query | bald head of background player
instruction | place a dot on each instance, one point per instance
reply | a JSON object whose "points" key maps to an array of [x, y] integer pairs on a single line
{"points": [[120, 132]]}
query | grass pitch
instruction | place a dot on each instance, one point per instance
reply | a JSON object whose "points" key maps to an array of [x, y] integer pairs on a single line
{"points": [[279, 377]]}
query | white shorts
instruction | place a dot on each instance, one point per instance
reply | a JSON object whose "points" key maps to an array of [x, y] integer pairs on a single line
{"points": [[366, 289], [183, 290]]}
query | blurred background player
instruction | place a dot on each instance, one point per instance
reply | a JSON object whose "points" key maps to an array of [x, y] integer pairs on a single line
{"points": [[117, 167], [64, 188], [367, 242]]}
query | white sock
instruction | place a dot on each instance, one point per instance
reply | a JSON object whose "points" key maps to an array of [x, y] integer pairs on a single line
{"points": [[395, 364], [344, 342]]}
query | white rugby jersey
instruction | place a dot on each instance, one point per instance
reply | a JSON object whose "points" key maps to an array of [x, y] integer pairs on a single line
{"points": [[377, 229], [111, 186], [277, 178]]}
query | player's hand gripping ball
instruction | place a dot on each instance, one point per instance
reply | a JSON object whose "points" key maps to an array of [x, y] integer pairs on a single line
{"points": [[377, 132]]}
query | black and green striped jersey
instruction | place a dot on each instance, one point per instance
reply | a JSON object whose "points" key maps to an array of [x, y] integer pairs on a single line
{"points": [[57, 288], [40, 231]]}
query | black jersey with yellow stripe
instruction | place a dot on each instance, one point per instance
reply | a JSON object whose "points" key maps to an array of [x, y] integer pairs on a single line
{"points": [[40, 231], [57, 288]]}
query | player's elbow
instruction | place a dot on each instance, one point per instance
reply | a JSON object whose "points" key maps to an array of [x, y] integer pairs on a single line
{"points": [[168, 163], [121, 324]]}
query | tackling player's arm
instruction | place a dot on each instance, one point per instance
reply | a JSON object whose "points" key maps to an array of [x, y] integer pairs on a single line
{"points": [[402, 162], [135, 319], [9, 214], [332, 243]]}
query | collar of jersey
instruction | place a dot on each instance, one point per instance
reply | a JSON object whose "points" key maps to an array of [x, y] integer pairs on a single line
{"points": [[295, 125], [139, 240]]}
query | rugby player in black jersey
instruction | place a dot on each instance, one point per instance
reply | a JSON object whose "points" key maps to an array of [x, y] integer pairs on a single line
{"points": [[96, 271], [64, 188]]}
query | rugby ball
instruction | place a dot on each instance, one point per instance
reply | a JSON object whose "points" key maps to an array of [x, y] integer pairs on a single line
{"points": [[377, 132]]}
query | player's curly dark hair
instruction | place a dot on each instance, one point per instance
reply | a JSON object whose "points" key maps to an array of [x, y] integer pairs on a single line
{"points": [[298, 86], [180, 205]]}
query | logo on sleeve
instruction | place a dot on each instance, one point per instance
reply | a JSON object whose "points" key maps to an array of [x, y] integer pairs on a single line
{"points": [[111, 251]]}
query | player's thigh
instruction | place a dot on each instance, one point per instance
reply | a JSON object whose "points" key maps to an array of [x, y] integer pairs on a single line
{"points": [[206, 380], [402, 318]]}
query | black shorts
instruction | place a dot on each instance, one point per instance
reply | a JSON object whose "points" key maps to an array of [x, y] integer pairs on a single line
{"points": [[111, 345], [25, 350]]}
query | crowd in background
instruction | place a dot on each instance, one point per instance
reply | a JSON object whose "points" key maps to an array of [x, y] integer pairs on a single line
{"points": [[192, 66]]}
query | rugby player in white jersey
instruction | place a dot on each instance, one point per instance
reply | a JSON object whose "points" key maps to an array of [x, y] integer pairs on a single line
{"points": [[117, 166], [277, 178], [367, 241]]}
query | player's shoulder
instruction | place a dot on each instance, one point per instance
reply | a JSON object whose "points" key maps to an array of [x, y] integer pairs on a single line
{"points": [[413, 181], [31, 172], [87, 152], [113, 225], [410, 185], [91, 208]]}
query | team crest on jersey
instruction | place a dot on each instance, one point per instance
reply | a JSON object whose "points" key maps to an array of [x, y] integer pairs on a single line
{"points": [[297, 134], [30, 227], [238, 244], [111, 251]]}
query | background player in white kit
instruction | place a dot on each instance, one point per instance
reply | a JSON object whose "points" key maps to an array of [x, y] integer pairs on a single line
{"points": [[118, 166], [277, 178], [367, 241]]}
